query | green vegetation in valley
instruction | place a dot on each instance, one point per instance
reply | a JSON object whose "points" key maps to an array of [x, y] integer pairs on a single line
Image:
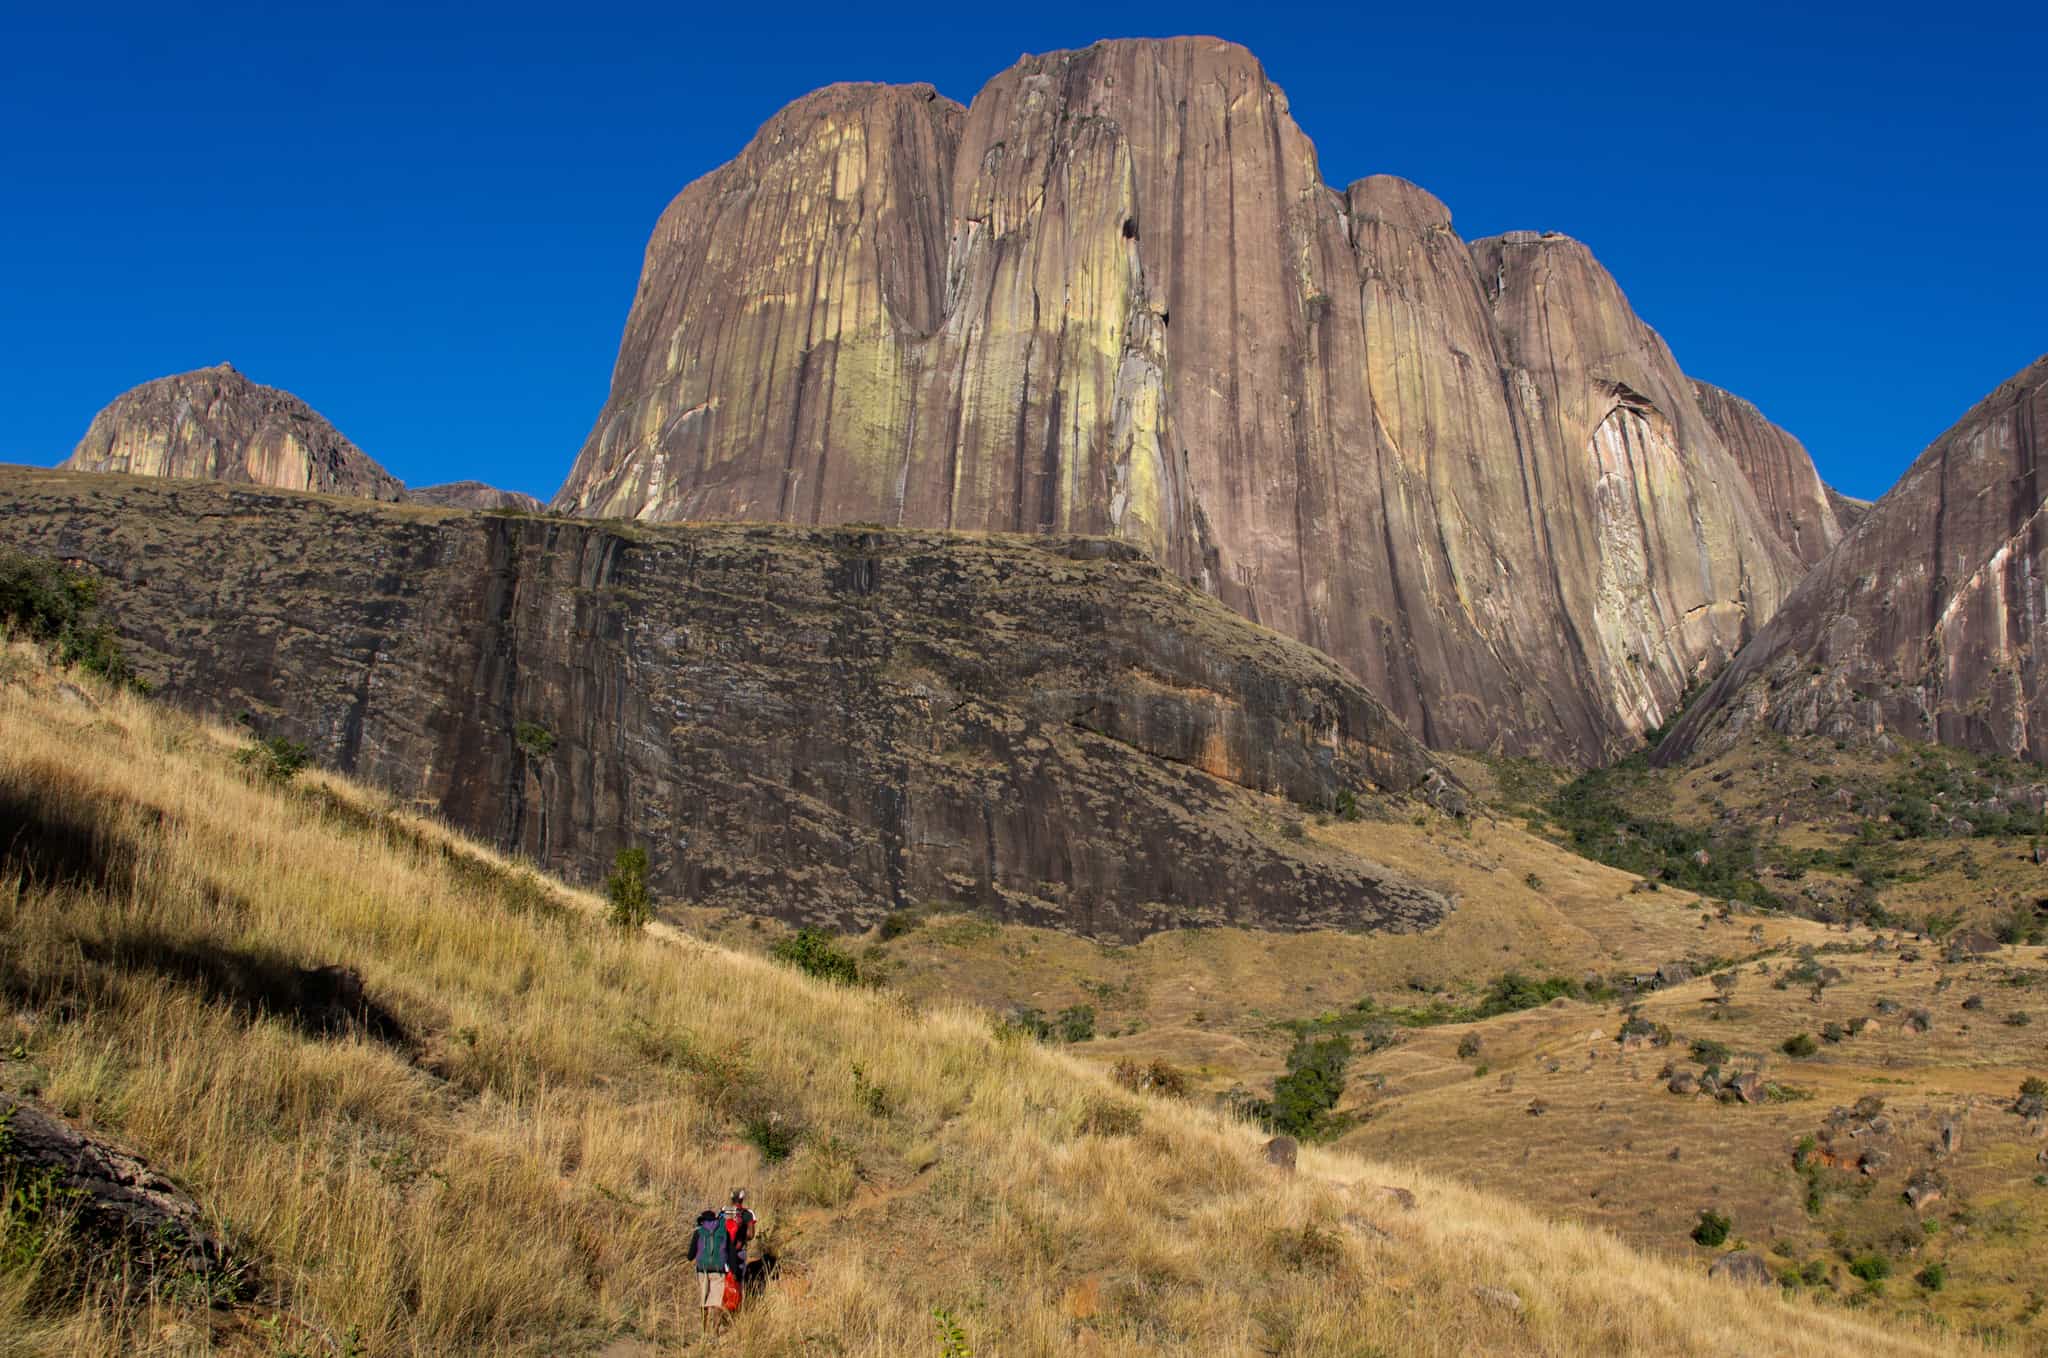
{"points": [[62, 608]]}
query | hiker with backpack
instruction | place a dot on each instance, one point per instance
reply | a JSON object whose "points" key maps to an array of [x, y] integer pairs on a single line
{"points": [[711, 1249], [739, 1230]]}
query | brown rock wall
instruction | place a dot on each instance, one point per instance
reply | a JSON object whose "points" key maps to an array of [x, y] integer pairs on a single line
{"points": [[819, 724], [1923, 622]]}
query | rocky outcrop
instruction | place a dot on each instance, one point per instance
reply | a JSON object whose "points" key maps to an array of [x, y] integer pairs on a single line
{"points": [[473, 495], [1849, 510], [1114, 297], [824, 725], [215, 424], [1789, 490], [1924, 622]]}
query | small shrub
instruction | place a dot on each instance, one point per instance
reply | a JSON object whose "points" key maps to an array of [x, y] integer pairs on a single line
{"points": [[2018, 1019], [1468, 1046], [872, 1098], [1814, 1272], [632, 903], [897, 923], [536, 740], [1710, 1053], [1110, 1117], [1799, 1045], [1308, 1250], [952, 1339], [1712, 1230], [2033, 1098], [1871, 1268], [772, 1135], [1155, 1077], [812, 952], [1832, 1032], [1532, 881], [275, 760], [1934, 1277], [1076, 1023]]}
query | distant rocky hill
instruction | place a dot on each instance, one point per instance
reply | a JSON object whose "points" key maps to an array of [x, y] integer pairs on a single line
{"points": [[215, 424], [1114, 296], [820, 724], [473, 495], [1925, 623]]}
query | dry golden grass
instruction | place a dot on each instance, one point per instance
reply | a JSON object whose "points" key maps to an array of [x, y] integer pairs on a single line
{"points": [[519, 1179]]}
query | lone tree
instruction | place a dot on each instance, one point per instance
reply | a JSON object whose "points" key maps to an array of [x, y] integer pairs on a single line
{"points": [[632, 904], [1724, 986]]}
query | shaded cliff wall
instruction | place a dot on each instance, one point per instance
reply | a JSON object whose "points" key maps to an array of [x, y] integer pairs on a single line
{"points": [[822, 725], [1924, 622]]}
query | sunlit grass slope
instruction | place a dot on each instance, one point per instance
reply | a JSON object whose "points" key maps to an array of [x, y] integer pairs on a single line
{"points": [[515, 1175]]}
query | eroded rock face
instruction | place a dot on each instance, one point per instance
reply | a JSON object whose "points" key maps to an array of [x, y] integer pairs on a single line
{"points": [[1789, 489], [819, 724], [1923, 623], [215, 424], [1114, 297], [473, 495]]}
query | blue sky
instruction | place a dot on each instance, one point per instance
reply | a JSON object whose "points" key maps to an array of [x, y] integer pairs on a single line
{"points": [[427, 220]]}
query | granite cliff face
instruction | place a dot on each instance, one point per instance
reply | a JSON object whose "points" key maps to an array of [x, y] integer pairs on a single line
{"points": [[215, 424], [819, 724], [473, 495], [1925, 623], [1114, 297], [1801, 509]]}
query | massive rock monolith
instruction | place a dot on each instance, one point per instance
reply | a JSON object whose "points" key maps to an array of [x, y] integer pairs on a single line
{"points": [[215, 424], [1926, 621], [1114, 296]]}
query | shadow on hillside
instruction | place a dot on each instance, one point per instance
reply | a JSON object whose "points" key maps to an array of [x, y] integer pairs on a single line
{"points": [[318, 1001], [63, 846]]}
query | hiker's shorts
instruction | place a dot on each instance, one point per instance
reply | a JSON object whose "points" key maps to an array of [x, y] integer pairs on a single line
{"points": [[711, 1290]]}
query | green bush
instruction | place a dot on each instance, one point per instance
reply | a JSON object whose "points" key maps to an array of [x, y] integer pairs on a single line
{"points": [[1712, 1230], [897, 923], [1468, 1046], [1871, 1268], [2033, 1098], [275, 760], [812, 952], [632, 903], [772, 1135], [1799, 1044], [60, 607], [1076, 1023], [1305, 1096], [1710, 1053], [536, 740], [1934, 1277]]}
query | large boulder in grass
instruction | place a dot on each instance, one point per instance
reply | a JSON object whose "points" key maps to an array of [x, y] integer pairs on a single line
{"points": [[1281, 1153], [124, 1207], [1742, 1266]]}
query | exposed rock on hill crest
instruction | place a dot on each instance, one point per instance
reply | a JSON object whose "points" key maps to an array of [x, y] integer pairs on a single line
{"points": [[215, 424]]}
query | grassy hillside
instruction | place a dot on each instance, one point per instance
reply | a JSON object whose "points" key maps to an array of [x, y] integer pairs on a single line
{"points": [[506, 1167]]}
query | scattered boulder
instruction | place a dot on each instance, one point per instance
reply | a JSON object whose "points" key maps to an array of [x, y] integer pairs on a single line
{"points": [[1282, 1151], [1397, 1197], [1872, 1162], [1746, 1267], [1925, 1188], [1499, 1297], [1748, 1087], [1919, 1021], [1971, 944], [1673, 973], [1887, 1007], [1684, 1083], [1950, 1139]]}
